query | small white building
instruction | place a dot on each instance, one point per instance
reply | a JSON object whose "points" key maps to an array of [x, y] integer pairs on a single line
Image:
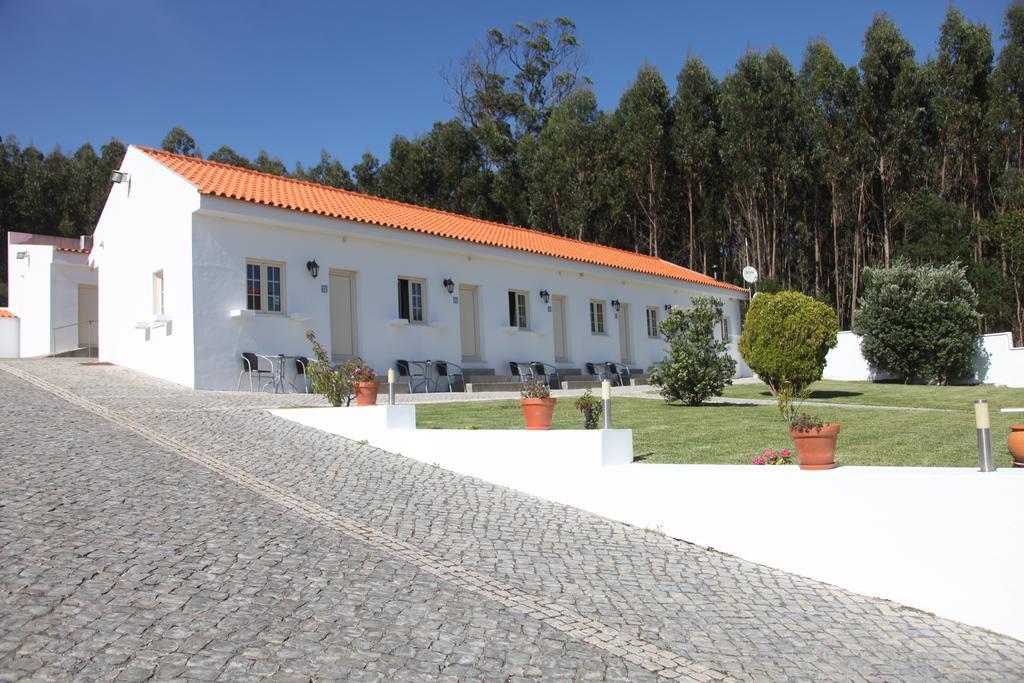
{"points": [[52, 291], [199, 262]]}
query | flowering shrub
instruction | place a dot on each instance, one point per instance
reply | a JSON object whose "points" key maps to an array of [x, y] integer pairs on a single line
{"points": [[770, 457], [336, 383]]}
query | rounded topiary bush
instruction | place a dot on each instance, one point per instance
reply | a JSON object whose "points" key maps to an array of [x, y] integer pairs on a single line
{"points": [[785, 339]]}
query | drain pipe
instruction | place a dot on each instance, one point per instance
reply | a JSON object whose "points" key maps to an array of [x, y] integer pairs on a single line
{"points": [[984, 426]]}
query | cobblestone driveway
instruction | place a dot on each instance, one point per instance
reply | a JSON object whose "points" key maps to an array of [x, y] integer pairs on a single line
{"points": [[152, 531]]}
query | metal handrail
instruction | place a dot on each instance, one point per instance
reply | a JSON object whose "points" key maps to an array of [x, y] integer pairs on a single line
{"points": [[53, 336]]}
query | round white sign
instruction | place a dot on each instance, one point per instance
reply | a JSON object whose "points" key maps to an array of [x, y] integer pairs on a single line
{"points": [[750, 274]]}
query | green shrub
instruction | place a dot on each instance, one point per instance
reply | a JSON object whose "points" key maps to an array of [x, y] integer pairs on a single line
{"points": [[336, 383], [590, 406], [919, 322], [785, 339], [697, 366]]}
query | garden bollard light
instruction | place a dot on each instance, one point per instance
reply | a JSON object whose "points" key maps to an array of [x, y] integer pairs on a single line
{"points": [[391, 386], [984, 426], [606, 403]]}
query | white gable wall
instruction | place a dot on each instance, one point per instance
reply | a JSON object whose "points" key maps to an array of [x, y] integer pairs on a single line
{"points": [[28, 282], [146, 227], [227, 232]]}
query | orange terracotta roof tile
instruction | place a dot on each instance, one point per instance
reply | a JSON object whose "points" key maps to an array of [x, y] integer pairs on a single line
{"points": [[222, 180], [73, 250], [4, 313]]}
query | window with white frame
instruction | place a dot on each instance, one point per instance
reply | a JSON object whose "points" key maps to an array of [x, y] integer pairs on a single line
{"points": [[412, 304], [652, 322], [725, 328], [158, 293], [264, 286], [517, 309], [596, 317]]}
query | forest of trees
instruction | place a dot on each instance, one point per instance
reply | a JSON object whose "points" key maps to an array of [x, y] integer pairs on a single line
{"points": [[808, 173]]}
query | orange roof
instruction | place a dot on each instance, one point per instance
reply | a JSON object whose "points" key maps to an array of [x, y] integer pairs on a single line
{"points": [[4, 313], [73, 250], [222, 180]]}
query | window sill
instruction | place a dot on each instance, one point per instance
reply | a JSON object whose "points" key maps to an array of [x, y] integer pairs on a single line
{"points": [[402, 322], [158, 321], [521, 330], [239, 313]]}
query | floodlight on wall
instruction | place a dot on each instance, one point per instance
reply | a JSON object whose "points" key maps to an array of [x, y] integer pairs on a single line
{"points": [[668, 308], [545, 295], [449, 285], [120, 177], [21, 255], [313, 267], [616, 305]]}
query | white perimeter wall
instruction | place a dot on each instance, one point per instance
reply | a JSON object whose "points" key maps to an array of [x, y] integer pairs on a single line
{"points": [[146, 227], [10, 336], [68, 272], [228, 232], [999, 363], [28, 295]]}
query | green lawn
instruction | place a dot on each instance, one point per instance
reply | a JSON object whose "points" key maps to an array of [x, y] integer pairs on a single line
{"points": [[902, 395], [734, 434]]}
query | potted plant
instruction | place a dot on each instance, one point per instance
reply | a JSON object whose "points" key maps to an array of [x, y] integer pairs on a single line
{"points": [[538, 406], [365, 381], [590, 406], [815, 441], [339, 383], [1016, 444]]}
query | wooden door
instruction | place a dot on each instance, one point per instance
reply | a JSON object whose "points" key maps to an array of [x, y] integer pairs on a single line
{"points": [[558, 317], [343, 315], [625, 346], [469, 323], [88, 315]]}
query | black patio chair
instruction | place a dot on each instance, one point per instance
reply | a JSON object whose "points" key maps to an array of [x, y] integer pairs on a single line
{"points": [[596, 370], [451, 372], [251, 365], [302, 370], [548, 372], [520, 370], [413, 379]]}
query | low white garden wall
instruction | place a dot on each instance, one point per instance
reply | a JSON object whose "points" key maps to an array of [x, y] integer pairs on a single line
{"points": [[999, 362], [938, 539], [10, 337]]}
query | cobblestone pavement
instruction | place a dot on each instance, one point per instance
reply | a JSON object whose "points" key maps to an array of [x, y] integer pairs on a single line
{"points": [[152, 531]]}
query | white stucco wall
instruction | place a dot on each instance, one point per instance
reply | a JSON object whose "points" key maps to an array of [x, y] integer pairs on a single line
{"points": [[28, 295], [10, 337], [227, 232], [43, 293], [145, 227], [998, 363]]}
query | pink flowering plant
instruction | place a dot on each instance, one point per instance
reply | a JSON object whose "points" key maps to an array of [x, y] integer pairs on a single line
{"points": [[770, 457], [337, 383]]}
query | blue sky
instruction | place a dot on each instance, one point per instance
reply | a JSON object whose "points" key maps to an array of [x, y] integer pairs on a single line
{"points": [[296, 77]]}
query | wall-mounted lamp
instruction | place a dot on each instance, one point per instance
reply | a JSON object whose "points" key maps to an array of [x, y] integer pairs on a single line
{"points": [[313, 267], [545, 295], [449, 285], [668, 308], [21, 255], [616, 304], [120, 177]]}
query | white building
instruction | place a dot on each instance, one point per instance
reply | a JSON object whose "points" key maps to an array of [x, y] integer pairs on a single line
{"points": [[52, 291], [199, 262]]}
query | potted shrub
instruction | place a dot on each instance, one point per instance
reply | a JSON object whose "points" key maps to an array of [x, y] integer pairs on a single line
{"points": [[538, 406], [365, 381], [590, 406], [814, 440], [340, 383]]}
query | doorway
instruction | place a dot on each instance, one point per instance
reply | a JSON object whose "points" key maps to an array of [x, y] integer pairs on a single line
{"points": [[558, 318], [469, 323], [343, 314], [88, 315], [624, 341]]}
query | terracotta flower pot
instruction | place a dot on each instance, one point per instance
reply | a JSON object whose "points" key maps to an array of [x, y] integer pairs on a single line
{"points": [[1016, 443], [816, 450], [538, 412], [366, 393]]}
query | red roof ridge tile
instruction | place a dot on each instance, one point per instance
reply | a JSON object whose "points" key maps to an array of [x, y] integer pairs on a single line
{"points": [[681, 273]]}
